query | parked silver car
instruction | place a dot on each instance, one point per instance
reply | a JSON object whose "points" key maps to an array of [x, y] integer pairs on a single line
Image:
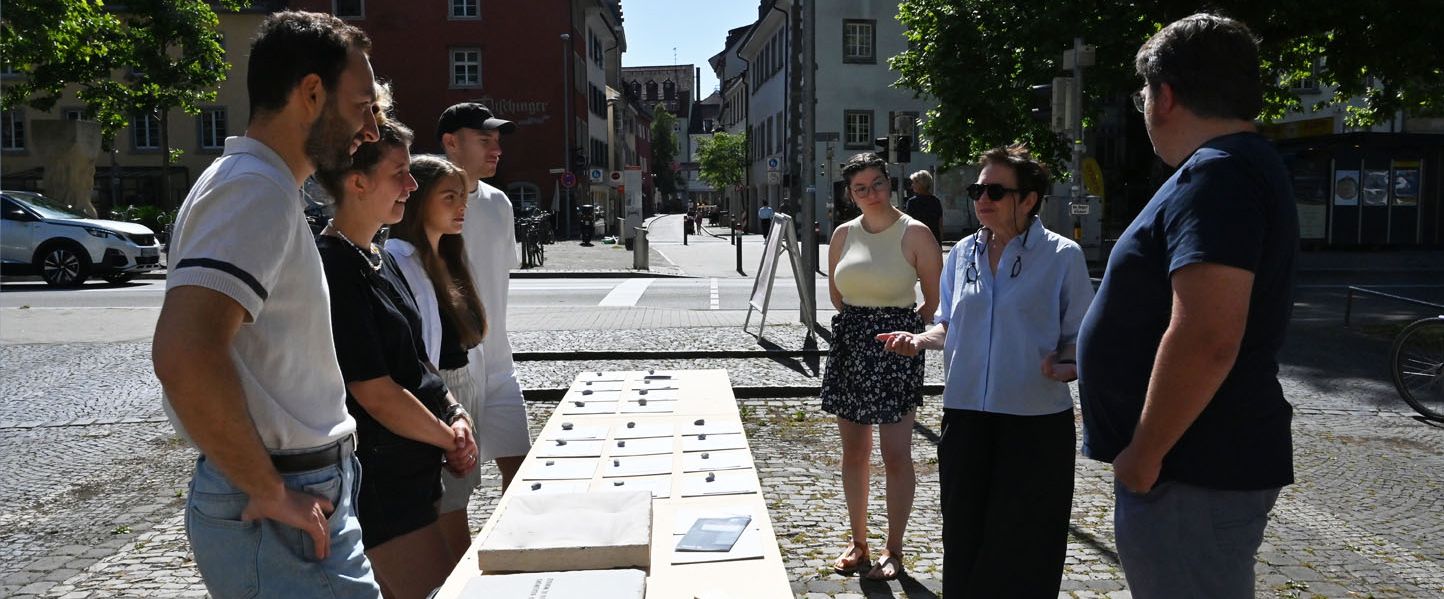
{"points": [[41, 236]]}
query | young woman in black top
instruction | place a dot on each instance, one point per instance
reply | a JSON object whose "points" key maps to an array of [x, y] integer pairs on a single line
{"points": [[406, 420], [428, 247]]}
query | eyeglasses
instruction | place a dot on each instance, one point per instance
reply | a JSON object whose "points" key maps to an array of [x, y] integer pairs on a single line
{"points": [[1138, 100], [995, 191], [879, 186]]}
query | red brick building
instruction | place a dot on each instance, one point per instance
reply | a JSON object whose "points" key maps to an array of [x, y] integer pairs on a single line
{"points": [[507, 54]]}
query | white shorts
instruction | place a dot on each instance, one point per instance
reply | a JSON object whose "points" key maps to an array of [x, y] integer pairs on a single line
{"points": [[456, 491], [501, 423]]}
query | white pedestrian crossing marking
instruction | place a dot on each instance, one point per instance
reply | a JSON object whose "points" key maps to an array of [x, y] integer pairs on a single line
{"points": [[716, 303], [626, 294]]}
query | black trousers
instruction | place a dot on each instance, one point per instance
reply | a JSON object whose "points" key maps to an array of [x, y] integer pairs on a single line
{"points": [[1007, 494]]}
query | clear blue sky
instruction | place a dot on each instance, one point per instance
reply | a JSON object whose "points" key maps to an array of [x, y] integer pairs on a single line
{"points": [[696, 28]]}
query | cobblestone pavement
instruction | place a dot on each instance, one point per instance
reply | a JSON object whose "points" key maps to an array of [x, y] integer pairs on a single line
{"points": [[92, 478]]}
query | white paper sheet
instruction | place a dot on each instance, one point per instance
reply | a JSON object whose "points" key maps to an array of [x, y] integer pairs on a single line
{"points": [[649, 406], [582, 407], [561, 469], [748, 546], [657, 394], [713, 442], [580, 386], [711, 426], [562, 448], [661, 487], [593, 584], [593, 395], [683, 516], [637, 465], [572, 431], [553, 486], [602, 376], [728, 459], [640, 428], [718, 482], [634, 447]]}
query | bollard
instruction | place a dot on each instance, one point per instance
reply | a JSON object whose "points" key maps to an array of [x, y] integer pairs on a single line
{"points": [[639, 248]]}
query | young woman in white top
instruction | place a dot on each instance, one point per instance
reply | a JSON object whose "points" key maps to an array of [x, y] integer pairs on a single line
{"points": [[428, 247], [876, 261]]}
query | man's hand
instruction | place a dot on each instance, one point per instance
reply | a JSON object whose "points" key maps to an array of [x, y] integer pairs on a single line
{"points": [[900, 342], [1137, 472], [1063, 373], [298, 510]]}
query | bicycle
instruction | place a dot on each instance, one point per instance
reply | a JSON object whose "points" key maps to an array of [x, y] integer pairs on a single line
{"points": [[533, 254], [1417, 366]]}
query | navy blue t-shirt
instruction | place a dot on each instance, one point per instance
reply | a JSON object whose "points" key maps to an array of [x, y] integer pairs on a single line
{"points": [[1230, 203]]}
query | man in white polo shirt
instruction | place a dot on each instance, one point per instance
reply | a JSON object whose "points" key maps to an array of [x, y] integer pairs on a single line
{"points": [[243, 347]]}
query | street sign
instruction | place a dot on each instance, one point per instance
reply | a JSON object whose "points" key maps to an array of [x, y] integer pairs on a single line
{"points": [[615, 179], [557, 171], [569, 180], [774, 177], [1079, 208], [773, 163], [595, 175]]}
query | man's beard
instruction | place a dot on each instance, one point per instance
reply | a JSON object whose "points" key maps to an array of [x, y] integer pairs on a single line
{"points": [[328, 145]]}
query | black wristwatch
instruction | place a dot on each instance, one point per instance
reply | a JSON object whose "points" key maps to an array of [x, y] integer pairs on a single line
{"points": [[1066, 361]]}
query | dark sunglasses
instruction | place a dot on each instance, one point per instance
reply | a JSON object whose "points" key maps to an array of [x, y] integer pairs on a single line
{"points": [[995, 191]]}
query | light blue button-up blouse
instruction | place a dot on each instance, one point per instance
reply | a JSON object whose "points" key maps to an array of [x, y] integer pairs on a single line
{"points": [[1001, 326]]}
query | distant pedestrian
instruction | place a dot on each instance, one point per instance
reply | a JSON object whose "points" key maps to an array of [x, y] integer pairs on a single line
{"points": [[875, 264], [428, 246], [243, 347], [471, 136], [1179, 353], [1013, 295], [764, 219], [924, 206], [406, 419]]}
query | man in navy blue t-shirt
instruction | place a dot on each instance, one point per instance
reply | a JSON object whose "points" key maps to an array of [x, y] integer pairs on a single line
{"points": [[1177, 356]]}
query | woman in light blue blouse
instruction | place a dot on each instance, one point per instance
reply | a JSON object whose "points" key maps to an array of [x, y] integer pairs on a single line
{"points": [[1013, 296]]}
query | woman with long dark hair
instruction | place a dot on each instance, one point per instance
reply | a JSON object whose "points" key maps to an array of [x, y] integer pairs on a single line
{"points": [[406, 421], [428, 247]]}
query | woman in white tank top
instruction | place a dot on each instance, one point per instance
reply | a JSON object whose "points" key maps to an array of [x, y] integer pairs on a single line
{"points": [[875, 262]]}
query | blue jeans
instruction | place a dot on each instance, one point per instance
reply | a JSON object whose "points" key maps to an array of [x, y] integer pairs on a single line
{"points": [[1181, 540], [268, 559]]}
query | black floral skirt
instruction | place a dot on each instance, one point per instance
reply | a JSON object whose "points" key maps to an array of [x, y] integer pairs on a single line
{"points": [[865, 383]]}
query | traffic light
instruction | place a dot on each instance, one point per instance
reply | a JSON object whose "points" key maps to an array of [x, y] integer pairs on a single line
{"points": [[882, 148], [579, 161], [903, 149], [1041, 103]]}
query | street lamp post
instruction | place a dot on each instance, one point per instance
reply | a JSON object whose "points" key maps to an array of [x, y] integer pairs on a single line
{"points": [[564, 212]]}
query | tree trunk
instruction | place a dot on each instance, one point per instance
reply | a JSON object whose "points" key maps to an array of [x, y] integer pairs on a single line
{"points": [[166, 203]]}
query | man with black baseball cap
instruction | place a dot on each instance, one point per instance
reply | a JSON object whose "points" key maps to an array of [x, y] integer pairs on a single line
{"points": [[471, 136]]}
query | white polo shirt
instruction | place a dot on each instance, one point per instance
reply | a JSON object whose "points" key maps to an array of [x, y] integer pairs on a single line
{"points": [[490, 235], [241, 232]]}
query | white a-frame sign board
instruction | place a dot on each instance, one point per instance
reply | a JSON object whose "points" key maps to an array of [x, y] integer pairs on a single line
{"points": [[781, 238]]}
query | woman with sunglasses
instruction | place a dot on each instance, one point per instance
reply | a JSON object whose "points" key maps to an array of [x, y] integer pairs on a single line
{"points": [[406, 421], [427, 245], [1013, 297], [875, 263]]}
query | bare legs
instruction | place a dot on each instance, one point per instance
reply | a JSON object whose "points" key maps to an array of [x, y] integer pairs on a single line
{"points": [[508, 467], [411, 565], [897, 460], [456, 532]]}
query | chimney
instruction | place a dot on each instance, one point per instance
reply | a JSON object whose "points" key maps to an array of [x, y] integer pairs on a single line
{"points": [[697, 84]]}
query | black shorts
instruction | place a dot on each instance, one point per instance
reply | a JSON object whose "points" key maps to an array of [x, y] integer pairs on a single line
{"points": [[400, 484]]}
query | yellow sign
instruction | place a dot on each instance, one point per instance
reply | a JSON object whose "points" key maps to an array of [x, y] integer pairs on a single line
{"points": [[1297, 129], [1092, 177]]}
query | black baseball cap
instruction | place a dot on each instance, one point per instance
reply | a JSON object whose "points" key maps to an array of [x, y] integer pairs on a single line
{"points": [[473, 115]]}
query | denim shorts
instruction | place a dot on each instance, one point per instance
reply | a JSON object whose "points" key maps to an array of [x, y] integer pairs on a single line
{"points": [[1180, 540], [268, 559]]}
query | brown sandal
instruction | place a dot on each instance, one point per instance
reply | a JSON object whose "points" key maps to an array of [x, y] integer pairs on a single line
{"points": [[844, 566], [878, 572]]}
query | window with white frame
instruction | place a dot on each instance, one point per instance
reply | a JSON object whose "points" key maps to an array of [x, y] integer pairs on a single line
{"points": [[213, 128], [523, 195], [8, 71], [858, 127], [465, 9], [349, 9], [145, 132], [12, 130], [859, 37], [72, 114], [465, 67]]}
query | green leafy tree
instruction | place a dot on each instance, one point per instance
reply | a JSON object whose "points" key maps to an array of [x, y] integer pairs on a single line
{"points": [[156, 56], [978, 59], [722, 159], [664, 152]]}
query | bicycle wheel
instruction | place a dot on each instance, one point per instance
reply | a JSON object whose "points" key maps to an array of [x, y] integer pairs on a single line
{"points": [[1417, 363]]}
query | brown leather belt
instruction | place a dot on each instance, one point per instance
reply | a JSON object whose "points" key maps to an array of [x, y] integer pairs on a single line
{"points": [[324, 457]]}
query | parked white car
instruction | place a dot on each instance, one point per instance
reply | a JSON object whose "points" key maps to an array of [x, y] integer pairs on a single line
{"points": [[40, 236]]}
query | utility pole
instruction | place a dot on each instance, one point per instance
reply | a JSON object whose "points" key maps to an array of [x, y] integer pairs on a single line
{"points": [[808, 100], [564, 211], [1075, 168]]}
